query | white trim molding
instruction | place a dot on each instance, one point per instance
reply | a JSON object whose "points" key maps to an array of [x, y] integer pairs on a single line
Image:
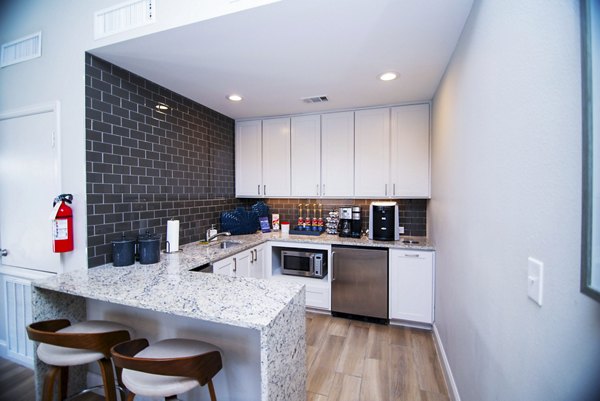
{"points": [[452, 388]]}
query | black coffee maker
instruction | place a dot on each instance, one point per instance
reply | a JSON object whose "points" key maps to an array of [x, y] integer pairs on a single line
{"points": [[356, 224], [345, 226]]}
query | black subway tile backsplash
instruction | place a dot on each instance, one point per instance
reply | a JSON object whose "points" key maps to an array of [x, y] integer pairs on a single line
{"points": [[145, 167]]}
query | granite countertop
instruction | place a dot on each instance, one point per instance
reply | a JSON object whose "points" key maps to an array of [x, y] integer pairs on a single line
{"points": [[169, 286], [237, 301]]}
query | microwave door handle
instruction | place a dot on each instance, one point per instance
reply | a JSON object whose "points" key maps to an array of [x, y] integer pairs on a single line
{"points": [[332, 266]]}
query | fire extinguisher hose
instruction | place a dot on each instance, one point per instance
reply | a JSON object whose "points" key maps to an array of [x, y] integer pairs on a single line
{"points": [[63, 197]]}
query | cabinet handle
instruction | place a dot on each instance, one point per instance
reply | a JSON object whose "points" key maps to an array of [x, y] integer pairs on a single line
{"points": [[323, 189], [234, 265], [252, 256], [256, 255], [265, 189], [317, 189], [258, 189], [406, 255], [385, 189], [394, 189]]}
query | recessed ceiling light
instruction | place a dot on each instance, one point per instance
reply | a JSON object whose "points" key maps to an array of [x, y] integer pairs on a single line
{"points": [[388, 76], [235, 98]]}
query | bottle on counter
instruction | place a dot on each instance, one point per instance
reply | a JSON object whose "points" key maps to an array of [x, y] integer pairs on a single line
{"points": [[300, 218]]}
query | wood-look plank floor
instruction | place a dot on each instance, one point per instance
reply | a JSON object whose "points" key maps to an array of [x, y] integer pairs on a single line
{"points": [[347, 360]]}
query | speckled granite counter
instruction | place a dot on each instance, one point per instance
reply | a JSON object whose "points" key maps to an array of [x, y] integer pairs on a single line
{"points": [[274, 309], [195, 254]]}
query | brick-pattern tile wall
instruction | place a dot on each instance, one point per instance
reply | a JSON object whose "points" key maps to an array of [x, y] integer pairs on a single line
{"points": [[145, 167], [412, 212]]}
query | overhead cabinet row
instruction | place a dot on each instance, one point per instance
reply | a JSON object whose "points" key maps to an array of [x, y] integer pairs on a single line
{"points": [[380, 152]]}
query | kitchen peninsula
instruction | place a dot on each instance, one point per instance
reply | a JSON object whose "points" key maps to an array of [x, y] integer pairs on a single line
{"points": [[259, 324]]}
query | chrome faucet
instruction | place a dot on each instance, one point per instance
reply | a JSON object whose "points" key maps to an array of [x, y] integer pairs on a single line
{"points": [[225, 233]]}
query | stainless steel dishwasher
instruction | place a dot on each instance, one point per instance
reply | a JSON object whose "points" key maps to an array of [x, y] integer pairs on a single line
{"points": [[359, 282]]}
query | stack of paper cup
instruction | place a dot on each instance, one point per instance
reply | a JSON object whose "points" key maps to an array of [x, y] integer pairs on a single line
{"points": [[285, 228], [172, 236]]}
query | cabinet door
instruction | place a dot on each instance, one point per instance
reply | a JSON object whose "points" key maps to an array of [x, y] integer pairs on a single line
{"points": [[337, 154], [372, 153], [276, 157], [224, 266], [410, 167], [411, 286], [306, 156], [248, 158], [257, 261], [241, 264]]}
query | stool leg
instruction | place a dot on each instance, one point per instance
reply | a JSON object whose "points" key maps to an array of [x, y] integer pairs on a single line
{"points": [[49, 383], [108, 379], [211, 390], [64, 383]]}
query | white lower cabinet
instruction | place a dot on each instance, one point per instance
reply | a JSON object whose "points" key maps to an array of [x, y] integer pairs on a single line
{"points": [[248, 263], [411, 283], [224, 266], [257, 262]]}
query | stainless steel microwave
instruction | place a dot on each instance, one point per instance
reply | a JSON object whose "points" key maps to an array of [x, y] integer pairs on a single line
{"points": [[304, 263]]}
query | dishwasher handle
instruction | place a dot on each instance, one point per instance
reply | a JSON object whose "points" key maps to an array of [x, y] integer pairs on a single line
{"points": [[332, 266]]}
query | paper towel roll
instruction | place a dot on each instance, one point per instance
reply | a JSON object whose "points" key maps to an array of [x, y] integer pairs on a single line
{"points": [[172, 236]]}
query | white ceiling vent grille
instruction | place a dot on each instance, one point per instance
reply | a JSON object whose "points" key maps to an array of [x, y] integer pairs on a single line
{"points": [[22, 49], [315, 99], [123, 17]]}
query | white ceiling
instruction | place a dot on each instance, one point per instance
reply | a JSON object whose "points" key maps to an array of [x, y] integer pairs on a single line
{"points": [[277, 54]]}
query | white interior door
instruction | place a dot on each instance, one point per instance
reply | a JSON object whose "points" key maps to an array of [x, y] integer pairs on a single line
{"points": [[29, 181]]}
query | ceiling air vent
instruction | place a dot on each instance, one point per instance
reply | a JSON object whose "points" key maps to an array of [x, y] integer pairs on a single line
{"points": [[22, 49], [123, 17], [315, 99]]}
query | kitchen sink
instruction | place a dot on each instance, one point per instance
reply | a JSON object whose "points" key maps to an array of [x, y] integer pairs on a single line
{"points": [[229, 244]]}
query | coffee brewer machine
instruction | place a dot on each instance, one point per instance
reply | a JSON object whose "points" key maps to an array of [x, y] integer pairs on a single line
{"points": [[383, 221], [356, 225], [345, 221]]}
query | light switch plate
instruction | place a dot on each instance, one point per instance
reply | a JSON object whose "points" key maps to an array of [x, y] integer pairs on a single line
{"points": [[535, 280], [401, 229]]}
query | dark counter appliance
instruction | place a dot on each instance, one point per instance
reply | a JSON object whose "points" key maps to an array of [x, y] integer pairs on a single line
{"points": [[383, 221]]}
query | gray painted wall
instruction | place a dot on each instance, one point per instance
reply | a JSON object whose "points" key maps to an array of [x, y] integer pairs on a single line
{"points": [[507, 186]]}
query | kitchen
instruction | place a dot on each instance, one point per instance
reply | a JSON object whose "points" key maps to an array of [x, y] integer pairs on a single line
{"points": [[488, 212]]}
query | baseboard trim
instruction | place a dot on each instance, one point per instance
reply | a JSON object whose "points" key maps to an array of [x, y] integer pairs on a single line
{"points": [[453, 389]]}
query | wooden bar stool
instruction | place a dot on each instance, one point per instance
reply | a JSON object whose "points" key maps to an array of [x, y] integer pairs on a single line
{"points": [[168, 367], [63, 345]]}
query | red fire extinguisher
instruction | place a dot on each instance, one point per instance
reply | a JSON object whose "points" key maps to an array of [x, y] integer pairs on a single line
{"points": [[62, 224]]}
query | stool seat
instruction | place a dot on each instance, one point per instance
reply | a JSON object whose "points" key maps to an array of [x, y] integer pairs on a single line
{"points": [[168, 367], [62, 345], [153, 385], [64, 356]]}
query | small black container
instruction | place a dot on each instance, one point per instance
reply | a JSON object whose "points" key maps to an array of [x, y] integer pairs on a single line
{"points": [[123, 251], [149, 248]]}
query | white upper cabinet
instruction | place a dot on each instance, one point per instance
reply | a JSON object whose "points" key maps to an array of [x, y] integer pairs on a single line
{"points": [[337, 154], [306, 156], [372, 153], [276, 157], [248, 158], [410, 165]]}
